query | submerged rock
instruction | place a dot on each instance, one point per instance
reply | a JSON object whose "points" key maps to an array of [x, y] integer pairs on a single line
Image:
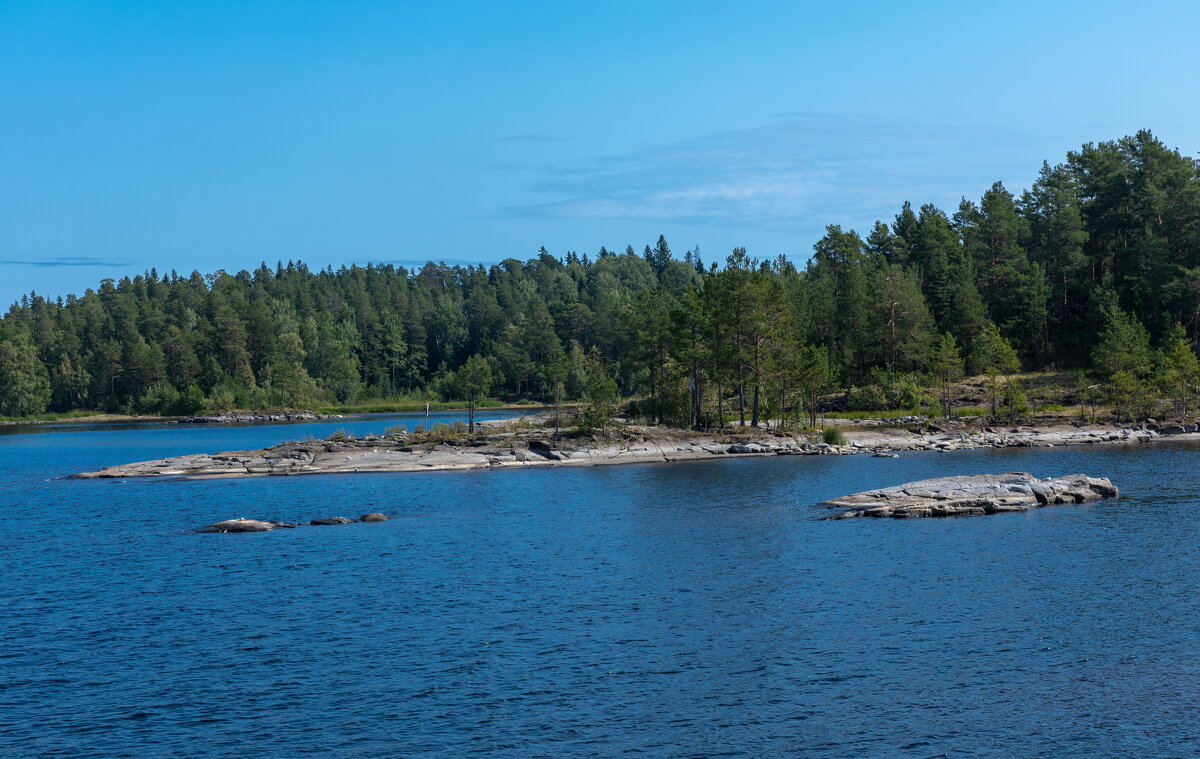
{"points": [[332, 521], [245, 525], [374, 516], [972, 495]]}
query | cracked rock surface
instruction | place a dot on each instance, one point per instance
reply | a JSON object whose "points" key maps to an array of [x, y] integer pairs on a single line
{"points": [[971, 495], [631, 444]]}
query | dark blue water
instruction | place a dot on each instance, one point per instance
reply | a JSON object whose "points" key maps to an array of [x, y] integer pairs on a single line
{"points": [[684, 610]]}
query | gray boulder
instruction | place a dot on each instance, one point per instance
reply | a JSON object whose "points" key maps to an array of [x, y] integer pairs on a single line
{"points": [[332, 521], [245, 525], [374, 516]]}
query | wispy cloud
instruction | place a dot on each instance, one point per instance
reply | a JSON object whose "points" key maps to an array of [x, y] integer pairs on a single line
{"points": [[796, 172], [64, 261]]}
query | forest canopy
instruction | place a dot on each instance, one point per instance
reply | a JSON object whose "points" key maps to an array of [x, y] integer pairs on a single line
{"points": [[1096, 266]]}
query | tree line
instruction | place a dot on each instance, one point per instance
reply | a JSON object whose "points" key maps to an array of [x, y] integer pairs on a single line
{"points": [[1096, 266]]}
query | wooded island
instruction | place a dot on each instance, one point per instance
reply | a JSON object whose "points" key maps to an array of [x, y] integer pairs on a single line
{"points": [[1095, 268]]}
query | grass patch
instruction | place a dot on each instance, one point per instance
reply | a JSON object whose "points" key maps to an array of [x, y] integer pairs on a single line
{"points": [[970, 411], [833, 436], [888, 414]]}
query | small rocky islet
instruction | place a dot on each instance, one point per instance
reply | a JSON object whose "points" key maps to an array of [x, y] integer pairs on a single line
{"points": [[242, 524], [971, 495]]}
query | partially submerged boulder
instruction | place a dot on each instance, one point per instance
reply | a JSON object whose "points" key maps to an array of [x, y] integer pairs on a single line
{"points": [[332, 521], [972, 495], [245, 525], [374, 516]]}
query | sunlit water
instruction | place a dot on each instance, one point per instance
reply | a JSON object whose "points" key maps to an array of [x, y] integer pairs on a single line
{"points": [[694, 609]]}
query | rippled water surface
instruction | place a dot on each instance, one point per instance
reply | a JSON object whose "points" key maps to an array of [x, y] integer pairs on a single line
{"points": [[692, 609]]}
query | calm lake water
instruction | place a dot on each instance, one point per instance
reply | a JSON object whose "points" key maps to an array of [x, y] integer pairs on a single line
{"points": [[681, 610]]}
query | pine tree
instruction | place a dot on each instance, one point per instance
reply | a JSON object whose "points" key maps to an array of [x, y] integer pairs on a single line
{"points": [[473, 380], [1180, 372], [992, 355], [946, 364], [24, 382]]}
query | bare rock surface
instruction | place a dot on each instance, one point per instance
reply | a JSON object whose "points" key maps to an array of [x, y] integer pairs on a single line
{"points": [[327, 521], [502, 448], [244, 417], [971, 495], [374, 516], [245, 525]]}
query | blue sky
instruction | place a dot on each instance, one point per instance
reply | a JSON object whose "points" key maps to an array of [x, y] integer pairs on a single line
{"points": [[214, 135]]}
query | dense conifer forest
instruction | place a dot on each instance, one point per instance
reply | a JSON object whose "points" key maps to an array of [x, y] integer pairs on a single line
{"points": [[1095, 267]]}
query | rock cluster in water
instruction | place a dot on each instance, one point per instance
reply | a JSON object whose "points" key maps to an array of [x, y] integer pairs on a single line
{"points": [[235, 417], [245, 525], [265, 525], [971, 495], [326, 521]]}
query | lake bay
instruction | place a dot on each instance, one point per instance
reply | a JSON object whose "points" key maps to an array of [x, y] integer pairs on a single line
{"points": [[689, 609]]}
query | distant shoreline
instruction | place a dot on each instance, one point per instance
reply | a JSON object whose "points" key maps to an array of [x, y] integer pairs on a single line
{"points": [[102, 418]]}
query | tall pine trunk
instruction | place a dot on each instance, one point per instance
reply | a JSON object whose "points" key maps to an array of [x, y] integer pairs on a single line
{"points": [[654, 415], [754, 413], [742, 402]]}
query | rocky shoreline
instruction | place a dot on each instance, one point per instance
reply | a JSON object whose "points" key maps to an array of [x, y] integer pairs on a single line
{"points": [[505, 446], [241, 417]]}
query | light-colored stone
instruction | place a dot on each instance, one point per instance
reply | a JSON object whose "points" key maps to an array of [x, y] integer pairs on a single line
{"points": [[972, 494], [245, 525]]}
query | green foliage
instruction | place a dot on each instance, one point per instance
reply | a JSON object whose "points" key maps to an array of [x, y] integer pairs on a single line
{"points": [[1016, 403], [815, 376], [1097, 265], [1179, 371], [24, 381], [1088, 395], [886, 391], [887, 414], [964, 411], [471, 381], [833, 436], [946, 365], [441, 433], [404, 407], [599, 396], [866, 398], [164, 399], [1124, 345], [992, 355]]}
